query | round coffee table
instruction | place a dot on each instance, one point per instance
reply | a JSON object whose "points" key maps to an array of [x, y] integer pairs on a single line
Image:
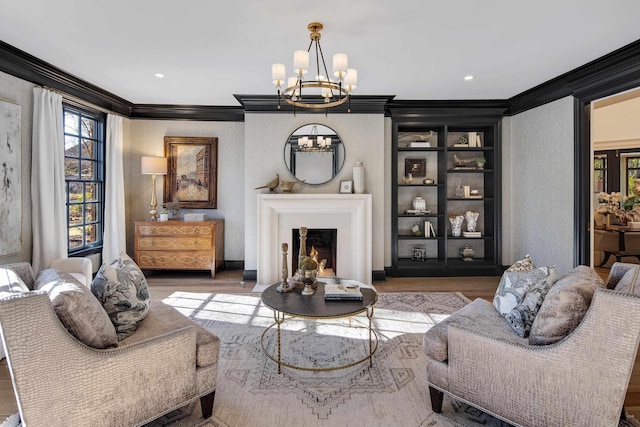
{"points": [[294, 304]]}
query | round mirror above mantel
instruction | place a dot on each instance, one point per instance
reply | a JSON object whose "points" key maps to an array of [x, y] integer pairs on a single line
{"points": [[314, 153]]}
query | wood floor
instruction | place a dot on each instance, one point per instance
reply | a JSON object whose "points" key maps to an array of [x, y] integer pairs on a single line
{"points": [[164, 284]]}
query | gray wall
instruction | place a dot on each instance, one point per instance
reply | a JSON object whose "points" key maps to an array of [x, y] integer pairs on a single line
{"points": [[364, 139], [21, 92], [146, 138], [538, 181]]}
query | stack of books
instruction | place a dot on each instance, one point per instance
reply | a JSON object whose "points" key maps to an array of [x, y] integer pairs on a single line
{"points": [[471, 234], [342, 292], [420, 144]]}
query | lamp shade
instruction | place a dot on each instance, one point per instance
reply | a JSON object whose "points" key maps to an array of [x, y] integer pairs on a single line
{"points": [[153, 165], [340, 65], [278, 74], [351, 79], [300, 61]]}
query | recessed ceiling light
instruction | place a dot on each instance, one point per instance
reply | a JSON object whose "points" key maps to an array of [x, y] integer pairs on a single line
{"points": [[160, 75], [469, 77]]}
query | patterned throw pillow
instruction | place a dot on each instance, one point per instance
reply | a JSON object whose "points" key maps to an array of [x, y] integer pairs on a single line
{"points": [[122, 289], [525, 264], [11, 283], [522, 316], [514, 285], [77, 308]]}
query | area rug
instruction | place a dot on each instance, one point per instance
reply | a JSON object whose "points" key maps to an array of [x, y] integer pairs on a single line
{"points": [[394, 391]]}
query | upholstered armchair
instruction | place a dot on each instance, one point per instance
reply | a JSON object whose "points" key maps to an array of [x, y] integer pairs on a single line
{"points": [[58, 380], [580, 380]]}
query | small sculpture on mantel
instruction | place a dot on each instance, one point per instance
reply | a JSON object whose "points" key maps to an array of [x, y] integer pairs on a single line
{"points": [[287, 186], [271, 185]]}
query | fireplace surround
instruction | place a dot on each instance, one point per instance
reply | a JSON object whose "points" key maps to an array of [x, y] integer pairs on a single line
{"points": [[349, 214]]}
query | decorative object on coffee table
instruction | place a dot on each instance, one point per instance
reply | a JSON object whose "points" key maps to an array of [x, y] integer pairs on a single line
{"points": [[309, 269], [284, 284]]}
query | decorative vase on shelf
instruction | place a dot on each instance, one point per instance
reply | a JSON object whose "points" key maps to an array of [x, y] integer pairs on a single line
{"points": [[456, 225], [358, 178], [472, 220], [419, 204]]}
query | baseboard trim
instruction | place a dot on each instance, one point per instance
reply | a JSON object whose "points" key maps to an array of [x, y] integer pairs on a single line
{"points": [[379, 275], [250, 275], [233, 265]]}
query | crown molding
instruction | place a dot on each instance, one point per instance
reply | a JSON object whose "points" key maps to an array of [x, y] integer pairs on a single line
{"points": [[187, 112], [360, 104], [620, 68], [447, 108], [27, 67]]}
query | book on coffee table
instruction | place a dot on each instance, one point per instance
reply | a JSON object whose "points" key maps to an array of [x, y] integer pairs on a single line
{"points": [[342, 292]]}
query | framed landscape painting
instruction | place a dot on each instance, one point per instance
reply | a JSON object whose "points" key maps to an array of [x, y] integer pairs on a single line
{"points": [[192, 169]]}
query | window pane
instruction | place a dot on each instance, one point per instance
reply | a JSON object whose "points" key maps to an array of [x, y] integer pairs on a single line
{"points": [[91, 192], [90, 214], [75, 192], [71, 123], [75, 237], [633, 162], [71, 168], [88, 127], [71, 146], [75, 214], [88, 149], [88, 169], [90, 235]]}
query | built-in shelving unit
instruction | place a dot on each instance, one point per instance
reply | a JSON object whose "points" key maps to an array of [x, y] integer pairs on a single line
{"points": [[438, 148]]}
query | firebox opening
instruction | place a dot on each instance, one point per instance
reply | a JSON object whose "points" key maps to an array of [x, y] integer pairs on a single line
{"points": [[324, 240]]}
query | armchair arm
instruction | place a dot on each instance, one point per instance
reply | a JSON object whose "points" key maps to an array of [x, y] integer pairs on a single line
{"points": [[580, 380], [78, 265], [58, 381]]}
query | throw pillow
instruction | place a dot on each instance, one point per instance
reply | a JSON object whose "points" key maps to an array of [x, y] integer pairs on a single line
{"points": [[522, 316], [629, 282], [525, 264], [77, 308], [11, 283], [565, 306], [513, 286], [122, 289]]}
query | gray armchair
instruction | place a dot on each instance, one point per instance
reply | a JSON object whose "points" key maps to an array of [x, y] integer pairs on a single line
{"points": [[580, 380], [58, 381]]}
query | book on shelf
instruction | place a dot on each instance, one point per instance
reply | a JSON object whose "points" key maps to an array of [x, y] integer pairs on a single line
{"points": [[420, 144], [429, 231], [461, 145], [342, 292], [471, 234], [472, 139]]}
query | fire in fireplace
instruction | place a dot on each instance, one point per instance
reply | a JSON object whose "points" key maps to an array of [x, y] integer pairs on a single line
{"points": [[324, 240]]}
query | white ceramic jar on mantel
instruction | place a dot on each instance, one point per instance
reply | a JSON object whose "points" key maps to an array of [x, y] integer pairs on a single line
{"points": [[358, 178]]}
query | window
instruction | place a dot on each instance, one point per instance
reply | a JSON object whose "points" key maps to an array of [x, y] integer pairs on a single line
{"points": [[600, 174], [84, 175], [633, 173]]}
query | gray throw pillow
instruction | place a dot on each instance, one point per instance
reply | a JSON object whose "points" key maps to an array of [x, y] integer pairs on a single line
{"points": [[122, 289], [513, 286], [565, 306], [77, 308], [11, 283], [629, 282]]}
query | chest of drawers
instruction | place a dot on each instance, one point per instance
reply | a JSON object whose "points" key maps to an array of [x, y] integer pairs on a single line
{"points": [[180, 245]]}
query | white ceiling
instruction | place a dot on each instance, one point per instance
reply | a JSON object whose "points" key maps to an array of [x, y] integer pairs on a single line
{"points": [[414, 49]]}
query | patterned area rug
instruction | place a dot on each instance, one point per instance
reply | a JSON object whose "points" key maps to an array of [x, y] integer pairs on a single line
{"points": [[250, 392]]}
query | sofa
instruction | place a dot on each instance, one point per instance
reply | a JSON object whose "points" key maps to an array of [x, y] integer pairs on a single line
{"points": [[578, 376], [165, 364]]}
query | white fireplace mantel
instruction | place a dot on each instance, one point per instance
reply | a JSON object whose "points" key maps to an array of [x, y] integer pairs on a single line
{"points": [[349, 214]]}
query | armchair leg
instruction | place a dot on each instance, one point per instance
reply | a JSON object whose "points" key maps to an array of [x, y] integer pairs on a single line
{"points": [[436, 399], [206, 403]]}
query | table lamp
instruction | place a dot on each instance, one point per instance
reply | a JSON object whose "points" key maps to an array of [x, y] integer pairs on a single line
{"points": [[153, 166]]}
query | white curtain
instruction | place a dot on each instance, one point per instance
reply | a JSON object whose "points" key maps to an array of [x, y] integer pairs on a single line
{"points": [[114, 220], [48, 199]]}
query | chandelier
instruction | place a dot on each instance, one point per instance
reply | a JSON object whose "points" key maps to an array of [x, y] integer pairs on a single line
{"points": [[314, 142], [300, 92]]}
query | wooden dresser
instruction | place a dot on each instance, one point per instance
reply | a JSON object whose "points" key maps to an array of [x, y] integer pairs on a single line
{"points": [[180, 245]]}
